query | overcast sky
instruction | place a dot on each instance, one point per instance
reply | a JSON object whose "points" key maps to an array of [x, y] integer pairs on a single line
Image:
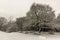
{"points": [[18, 8]]}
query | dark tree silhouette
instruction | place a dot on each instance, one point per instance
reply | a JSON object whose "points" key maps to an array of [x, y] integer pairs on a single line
{"points": [[41, 13]]}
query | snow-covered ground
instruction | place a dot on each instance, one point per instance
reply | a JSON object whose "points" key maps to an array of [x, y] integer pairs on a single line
{"points": [[21, 36]]}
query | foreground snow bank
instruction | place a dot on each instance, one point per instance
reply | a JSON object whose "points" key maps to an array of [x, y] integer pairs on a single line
{"points": [[21, 36], [16, 36]]}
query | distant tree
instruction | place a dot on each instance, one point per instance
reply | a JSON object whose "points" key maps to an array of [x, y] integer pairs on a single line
{"points": [[58, 19], [3, 21], [40, 13], [57, 23], [11, 27], [19, 22]]}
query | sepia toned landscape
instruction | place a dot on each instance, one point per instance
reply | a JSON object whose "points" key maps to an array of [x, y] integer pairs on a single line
{"points": [[29, 20]]}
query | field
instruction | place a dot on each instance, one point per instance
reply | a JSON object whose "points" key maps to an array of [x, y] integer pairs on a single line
{"points": [[22, 36]]}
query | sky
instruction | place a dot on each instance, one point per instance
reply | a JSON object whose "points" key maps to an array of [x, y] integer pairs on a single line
{"points": [[19, 8]]}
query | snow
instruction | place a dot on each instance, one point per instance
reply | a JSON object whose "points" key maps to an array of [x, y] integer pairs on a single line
{"points": [[22, 36]]}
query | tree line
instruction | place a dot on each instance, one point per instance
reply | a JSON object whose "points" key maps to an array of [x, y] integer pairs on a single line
{"points": [[40, 17]]}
